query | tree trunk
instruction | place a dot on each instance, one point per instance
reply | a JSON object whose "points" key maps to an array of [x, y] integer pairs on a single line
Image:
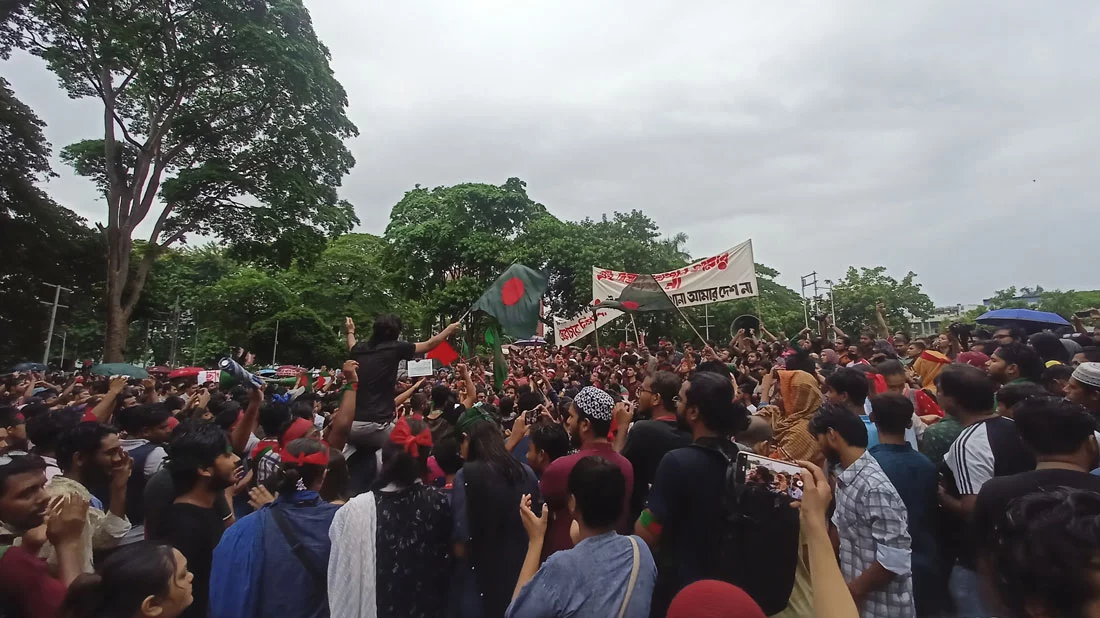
{"points": [[118, 328]]}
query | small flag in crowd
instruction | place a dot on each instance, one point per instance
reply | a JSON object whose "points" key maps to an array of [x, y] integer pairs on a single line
{"points": [[444, 353], [514, 300]]}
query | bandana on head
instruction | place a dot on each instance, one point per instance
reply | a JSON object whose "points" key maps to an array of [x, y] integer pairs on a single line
{"points": [[402, 434], [320, 458], [594, 403], [298, 429], [472, 417]]}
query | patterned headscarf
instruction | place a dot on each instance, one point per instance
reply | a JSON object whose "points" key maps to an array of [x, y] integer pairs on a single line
{"points": [[791, 439]]}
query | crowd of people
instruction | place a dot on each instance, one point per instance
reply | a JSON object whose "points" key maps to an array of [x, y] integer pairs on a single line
{"points": [[933, 477]]}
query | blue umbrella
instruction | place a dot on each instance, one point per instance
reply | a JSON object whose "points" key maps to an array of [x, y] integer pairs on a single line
{"points": [[1025, 318]]}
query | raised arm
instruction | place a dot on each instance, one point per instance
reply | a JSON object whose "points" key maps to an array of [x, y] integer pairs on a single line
{"points": [[103, 410], [403, 397], [426, 346], [247, 424], [345, 414], [471, 390], [880, 319], [349, 324]]}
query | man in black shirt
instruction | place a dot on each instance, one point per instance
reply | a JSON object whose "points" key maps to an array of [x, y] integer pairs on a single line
{"points": [[379, 358], [649, 440], [1060, 434], [202, 464]]}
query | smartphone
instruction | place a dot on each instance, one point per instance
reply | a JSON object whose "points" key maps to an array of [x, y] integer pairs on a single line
{"points": [[780, 477]]}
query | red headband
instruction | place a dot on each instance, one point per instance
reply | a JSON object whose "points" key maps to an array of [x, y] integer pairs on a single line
{"points": [[402, 434], [320, 458], [298, 429]]}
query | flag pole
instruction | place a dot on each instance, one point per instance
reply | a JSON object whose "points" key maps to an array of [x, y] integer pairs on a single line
{"points": [[680, 311], [596, 327]]}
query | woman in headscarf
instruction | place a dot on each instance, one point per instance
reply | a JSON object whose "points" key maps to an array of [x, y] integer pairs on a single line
{"points": [[795, 401], [928, 366]]}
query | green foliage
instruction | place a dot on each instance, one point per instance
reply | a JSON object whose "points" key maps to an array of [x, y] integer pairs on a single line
{"points": [[856, 294], [43, 243], [224, 119]]}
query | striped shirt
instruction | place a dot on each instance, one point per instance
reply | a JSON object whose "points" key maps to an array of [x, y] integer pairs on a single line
{"points": [[984, 450]]}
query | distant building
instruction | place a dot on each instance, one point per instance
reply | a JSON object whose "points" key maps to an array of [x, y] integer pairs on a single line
{"points": [[941, 318]]}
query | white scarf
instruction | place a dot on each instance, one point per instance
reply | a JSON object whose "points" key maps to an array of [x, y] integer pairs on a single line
{"points": [[352, 583]]}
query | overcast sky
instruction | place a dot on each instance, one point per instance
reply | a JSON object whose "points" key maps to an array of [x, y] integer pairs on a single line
{"points": [[959, 140]]}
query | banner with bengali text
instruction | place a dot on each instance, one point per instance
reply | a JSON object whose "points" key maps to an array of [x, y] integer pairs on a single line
{"points": [[568, 331], [730, 275]]}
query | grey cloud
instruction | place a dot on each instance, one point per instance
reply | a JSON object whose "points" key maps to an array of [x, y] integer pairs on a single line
{"points": [[859, 133]]}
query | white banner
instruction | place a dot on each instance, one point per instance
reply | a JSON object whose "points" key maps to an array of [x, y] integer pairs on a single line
{"points": [[568, 331], [730, 275], [214, 376]]}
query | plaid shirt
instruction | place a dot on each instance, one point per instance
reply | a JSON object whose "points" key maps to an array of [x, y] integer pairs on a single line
{"points": [[872, 522], [267, 466]]}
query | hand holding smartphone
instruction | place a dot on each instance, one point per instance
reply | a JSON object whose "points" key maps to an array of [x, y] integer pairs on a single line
{"points": [[780, 477]]}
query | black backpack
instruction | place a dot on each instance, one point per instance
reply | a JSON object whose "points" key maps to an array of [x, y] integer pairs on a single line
{"points": [[757, 544]]}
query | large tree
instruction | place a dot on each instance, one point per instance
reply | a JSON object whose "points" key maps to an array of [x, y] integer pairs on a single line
{"points": [[220, 118], [44, 242]]}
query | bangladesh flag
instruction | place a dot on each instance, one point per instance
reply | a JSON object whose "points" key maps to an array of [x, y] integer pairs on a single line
{"points": [[514, 300], [644, 294], [500, 366]]}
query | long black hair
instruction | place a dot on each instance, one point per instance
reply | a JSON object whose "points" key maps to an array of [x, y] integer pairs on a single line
{"points": [[487, 445], [122, 584]]}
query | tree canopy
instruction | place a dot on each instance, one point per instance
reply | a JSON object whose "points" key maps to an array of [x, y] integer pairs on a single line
{"points": [[221, 118]]}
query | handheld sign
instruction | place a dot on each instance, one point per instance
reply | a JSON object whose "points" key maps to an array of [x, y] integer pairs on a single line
{"points": [[420, 368]]}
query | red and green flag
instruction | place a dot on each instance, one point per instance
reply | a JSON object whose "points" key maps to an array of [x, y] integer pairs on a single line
{"points": [[514, 300], [500, 366], [644, 294]]}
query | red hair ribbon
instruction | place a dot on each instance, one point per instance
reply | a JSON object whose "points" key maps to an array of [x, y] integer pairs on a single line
{"points": [[402, 434], [320, 458]]}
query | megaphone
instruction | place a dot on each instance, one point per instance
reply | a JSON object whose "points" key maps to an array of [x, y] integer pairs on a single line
{"points": [[747, 322], [239, 373]]}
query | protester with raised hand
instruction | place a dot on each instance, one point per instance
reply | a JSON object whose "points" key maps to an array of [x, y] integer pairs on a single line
{"points": [[830, 593], [26, 585], [379, 358], [91, 456], [604, 574]]}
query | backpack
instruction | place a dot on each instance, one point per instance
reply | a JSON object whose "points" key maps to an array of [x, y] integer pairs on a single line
{"points": [[756, 548]]}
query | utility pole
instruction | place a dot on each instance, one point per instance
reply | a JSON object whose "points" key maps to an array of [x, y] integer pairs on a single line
{"points": [[706, 321], [808, 281], [175, 333], [275, 348], [64, 340], [53, 317], [195, 348]]}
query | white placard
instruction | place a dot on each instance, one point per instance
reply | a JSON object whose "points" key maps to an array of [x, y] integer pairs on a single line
{"points": [[214, 376], [421, 368]]}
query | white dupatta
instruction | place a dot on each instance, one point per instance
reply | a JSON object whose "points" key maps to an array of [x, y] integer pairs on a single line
{"points": [[352, 585]]}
